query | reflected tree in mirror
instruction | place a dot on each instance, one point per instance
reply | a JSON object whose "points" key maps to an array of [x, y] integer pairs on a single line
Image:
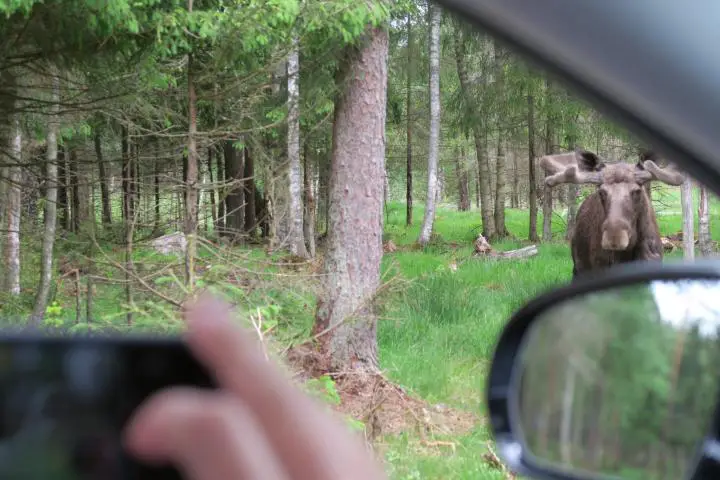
{"points": [[620, 383]]}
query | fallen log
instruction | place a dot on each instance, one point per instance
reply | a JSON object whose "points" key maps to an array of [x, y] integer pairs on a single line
{"points": [[484, 249], [668, 244], [525, 252]]}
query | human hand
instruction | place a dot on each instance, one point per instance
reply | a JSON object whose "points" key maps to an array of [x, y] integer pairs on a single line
{"points": [[258, 425]]}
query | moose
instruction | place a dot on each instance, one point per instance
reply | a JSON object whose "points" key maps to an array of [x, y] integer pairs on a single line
{"points": [[616, 223]]}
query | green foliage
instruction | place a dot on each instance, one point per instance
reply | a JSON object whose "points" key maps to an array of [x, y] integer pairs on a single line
{"points": [[323, 387], [54, 315]]}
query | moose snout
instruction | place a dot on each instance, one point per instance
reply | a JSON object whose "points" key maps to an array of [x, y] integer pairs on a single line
{"points": [[615, 235]]}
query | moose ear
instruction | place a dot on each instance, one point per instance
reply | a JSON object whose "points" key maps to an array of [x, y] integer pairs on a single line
{"points": [[588, 161]]}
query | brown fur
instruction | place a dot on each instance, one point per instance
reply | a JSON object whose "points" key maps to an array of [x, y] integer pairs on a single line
{"points": [[619, 204]]}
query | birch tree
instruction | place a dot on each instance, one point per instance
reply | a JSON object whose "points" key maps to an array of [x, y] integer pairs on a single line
{"points": [[435, 13], [43, 291], [14, 210], [296, 238]]}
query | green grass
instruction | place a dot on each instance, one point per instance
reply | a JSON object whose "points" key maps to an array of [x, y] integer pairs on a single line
{"points": [[436, 334], [436, 338]]}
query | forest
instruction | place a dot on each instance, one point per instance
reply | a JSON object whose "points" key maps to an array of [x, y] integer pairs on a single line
{"points": [[359, 179]]}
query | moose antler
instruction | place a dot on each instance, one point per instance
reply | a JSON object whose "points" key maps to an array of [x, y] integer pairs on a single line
{"points": [[572, 167], [670, 174]]}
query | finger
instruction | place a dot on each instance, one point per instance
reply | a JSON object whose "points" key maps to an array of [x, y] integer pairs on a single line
{"points": [[312, 443], [207, 435]]}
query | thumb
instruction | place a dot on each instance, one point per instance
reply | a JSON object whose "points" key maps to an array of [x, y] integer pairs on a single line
{"points": [[206, 434]]}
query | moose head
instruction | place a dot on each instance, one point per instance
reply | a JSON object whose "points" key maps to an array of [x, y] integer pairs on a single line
{"points": [[617, 222]]}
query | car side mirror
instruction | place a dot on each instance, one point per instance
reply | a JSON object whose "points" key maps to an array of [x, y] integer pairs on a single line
{"points": [[613, 377]]}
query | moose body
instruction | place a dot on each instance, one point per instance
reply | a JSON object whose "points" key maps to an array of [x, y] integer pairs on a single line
{"points": [[616, 223]]}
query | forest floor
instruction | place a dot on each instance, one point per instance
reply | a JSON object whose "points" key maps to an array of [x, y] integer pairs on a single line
{"points": [[436, 333]]}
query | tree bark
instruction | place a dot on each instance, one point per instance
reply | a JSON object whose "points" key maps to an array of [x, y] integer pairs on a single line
{"points": [[515, 181], [309, 213], [688, 219], [408, 120], [14, 210], [704, 238], [220, 168], [500, 190], [104, 191], [62, 189], [191, 213], [213, 204], [296, 240], [126, 174], [463, 184], [74, 190], [532, 181], [51, 191], [501, 163], [434, 147], [235, 194], [549, 150], [354, 252], [156, 181], [250, 193]]}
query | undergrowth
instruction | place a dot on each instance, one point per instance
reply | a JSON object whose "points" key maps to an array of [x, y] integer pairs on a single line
{"points": [[437, 327]]}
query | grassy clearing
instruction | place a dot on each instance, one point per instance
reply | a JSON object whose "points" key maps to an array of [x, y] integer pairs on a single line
{"points": [[436, 333]]}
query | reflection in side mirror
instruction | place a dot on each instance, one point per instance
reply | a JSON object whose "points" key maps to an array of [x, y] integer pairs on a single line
{"points": [[622, 382]]}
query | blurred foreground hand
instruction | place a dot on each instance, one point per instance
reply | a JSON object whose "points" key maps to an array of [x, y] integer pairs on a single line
{"points": [[257, 426]]}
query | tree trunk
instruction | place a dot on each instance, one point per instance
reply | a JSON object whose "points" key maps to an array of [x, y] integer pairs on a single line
{"points": [[462, 176], [434, 147], [51, 191], [296, 240], [688, 219], [250, 190], [408, 120], [325, 182], [220, 168], [14, 210], [126, 174], [501, 163], [156, 182], [309, 214], [104, 191], [213, 205], [549, 150], [63, 203], [500, 191], [480, 134], [532, 181], [516, 181], [135, 178], [477, 184], [74, 184], [235, 194], [704, 237], [354, 253], [191, 214]]}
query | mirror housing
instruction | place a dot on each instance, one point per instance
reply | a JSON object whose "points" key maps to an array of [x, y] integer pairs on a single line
{"points": [[503, 388]]}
